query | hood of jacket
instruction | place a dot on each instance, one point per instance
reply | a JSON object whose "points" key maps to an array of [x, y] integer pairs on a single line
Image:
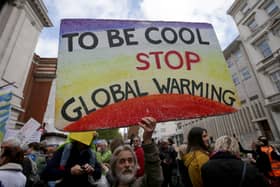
{"points": [[11, 166]]}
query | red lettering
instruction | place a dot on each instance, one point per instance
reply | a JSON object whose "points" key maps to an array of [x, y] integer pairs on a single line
{"points": [[172, 59], [169, 64], [191, 57], [157, 59], [146, 63]]}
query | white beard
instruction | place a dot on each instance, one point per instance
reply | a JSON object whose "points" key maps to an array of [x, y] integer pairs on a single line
{"points": [[127, 177]]}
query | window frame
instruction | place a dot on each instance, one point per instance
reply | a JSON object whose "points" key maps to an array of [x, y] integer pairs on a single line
{"points": [[255, 24], [238, 55], [229, 62], [276, 80], [245, 9], [245, 72], [235, 79], [264, 50], [273, 10]]}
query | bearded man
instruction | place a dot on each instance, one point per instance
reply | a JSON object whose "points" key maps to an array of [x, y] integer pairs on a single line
{"points": [[124, 162]]}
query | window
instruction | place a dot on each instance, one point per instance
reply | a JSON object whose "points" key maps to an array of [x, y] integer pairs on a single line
{"points": [[245, 9], [275, 77], [275, 27], [271, 8], [255, 97], [252, 24], [235, 79], [245, 73], [242, 102], [264, 48], [277, 32], [229, 62], [238, 55]]}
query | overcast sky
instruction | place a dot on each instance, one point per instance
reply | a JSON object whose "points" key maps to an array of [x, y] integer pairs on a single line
{"points": [[213, 12]]}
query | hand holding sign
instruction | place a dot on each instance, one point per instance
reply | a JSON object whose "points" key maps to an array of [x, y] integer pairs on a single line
{"points": [[149, 125]]}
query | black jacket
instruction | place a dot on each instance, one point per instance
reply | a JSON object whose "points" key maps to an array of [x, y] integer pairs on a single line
{"points": [[224, 169], [54, 172]]}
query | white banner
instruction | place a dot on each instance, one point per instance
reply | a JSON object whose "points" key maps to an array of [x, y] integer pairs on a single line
{"points": [[27, 131]]}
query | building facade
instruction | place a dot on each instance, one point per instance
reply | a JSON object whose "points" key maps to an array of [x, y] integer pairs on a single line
{"points": [[258, 22], [20, 25], [37, 88], [253, 60]]}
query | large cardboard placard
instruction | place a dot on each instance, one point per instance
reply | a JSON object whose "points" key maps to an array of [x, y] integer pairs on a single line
{"points": [[111, 73]]}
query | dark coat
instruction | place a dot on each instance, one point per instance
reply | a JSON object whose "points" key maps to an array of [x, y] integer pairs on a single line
{"points": [[224, 169], [54, 172], [168, 163]]}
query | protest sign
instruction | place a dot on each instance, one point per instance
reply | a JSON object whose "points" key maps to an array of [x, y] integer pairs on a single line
{"points": [[35, 137], [28, 131], [111, 73], [5, 109]]}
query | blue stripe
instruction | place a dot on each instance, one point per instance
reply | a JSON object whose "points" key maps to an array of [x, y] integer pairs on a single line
{"points": [[6, 113], [7, 107], [2, 126], [4, 103], [4, 120], [6, 97]]}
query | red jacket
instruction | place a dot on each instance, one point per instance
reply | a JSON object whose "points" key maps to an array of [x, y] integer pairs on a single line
{"points": [[140, 159]]}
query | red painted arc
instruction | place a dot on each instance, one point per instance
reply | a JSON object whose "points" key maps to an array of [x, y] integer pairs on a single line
{"points": [[164, 107]]}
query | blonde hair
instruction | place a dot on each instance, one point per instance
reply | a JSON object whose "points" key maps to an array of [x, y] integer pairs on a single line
{"points": [[227, 143]]}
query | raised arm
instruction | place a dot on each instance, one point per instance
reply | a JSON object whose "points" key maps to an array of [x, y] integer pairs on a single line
{"points": [[149, 125], [153, 173]]}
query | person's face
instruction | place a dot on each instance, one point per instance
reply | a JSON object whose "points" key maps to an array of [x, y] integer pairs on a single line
{"points": [[125, 167], [164, 145], [50, 155], [136, 142], [102, 148], [29, 150], [205, 138]]}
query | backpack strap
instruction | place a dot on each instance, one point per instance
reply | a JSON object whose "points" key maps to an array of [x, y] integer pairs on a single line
{"points": [[243, 174], [65, 155]]}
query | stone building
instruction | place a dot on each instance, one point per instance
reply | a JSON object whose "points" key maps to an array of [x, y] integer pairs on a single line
{"points": [[253, 60], [20, 25], [259, 27]]}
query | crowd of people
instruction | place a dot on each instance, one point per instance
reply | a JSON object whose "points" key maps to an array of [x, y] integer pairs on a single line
{"points": [[201, 162]]}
